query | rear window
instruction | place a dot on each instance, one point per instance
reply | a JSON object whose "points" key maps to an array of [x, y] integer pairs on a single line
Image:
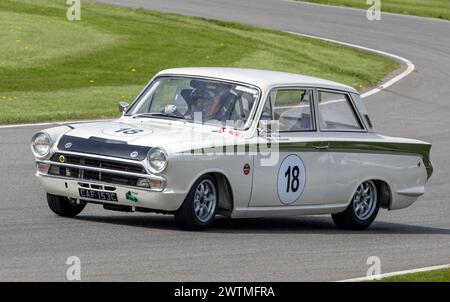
{"points": [[336, 112]]}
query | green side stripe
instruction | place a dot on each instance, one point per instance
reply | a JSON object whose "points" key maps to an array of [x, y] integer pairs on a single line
{"points": [[422, 150]]}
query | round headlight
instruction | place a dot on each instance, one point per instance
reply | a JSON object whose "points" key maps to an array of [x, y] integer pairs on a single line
{"points": [[41, 144], [157, 159]]}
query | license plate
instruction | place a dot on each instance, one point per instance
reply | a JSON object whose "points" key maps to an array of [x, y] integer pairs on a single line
{"points": [[99, 195]]}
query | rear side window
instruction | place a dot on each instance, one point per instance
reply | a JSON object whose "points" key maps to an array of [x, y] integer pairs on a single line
{"points": [[336, 112]]}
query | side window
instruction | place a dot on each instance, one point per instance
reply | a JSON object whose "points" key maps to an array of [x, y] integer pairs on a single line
{"points": [[291, 107], [336, 112]]}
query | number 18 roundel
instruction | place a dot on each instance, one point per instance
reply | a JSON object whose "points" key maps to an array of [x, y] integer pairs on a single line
{"points": [[291, 179]]}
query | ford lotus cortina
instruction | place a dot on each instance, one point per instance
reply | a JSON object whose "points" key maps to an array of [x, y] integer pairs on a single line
{"points": [[201, 142]]}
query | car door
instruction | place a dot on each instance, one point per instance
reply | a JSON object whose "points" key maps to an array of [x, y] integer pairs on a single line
{"points": [[299, 175], [340, 121]]}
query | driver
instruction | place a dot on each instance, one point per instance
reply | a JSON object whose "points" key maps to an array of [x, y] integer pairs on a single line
{"points": [[207, 100]]}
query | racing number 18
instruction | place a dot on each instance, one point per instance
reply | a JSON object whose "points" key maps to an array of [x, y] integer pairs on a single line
{"points": [[292, 174]]}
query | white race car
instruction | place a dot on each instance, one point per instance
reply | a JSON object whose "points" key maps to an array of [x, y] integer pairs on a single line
{"points": [[198, 142]]}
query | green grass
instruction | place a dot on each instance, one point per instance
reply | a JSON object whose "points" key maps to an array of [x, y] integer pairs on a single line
{"points": [[442, 275], [55, 69], [424, 8]]}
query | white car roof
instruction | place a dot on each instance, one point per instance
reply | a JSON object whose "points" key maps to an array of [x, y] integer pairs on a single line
{"points": [[264, 79]]}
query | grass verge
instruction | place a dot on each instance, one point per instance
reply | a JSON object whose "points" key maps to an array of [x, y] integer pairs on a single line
{"points": [[55, 69], [442, 275], [423, 8]]}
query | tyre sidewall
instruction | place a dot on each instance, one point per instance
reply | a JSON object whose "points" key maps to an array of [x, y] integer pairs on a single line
{"points": [[186, 214], [349, 220]]}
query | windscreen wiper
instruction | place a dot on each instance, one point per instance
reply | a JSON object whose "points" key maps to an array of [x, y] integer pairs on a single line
{"points": [[155, 114]]}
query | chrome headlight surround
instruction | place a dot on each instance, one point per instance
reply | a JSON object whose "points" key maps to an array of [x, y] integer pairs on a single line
{"points": [[157, 160], [41, 144]]}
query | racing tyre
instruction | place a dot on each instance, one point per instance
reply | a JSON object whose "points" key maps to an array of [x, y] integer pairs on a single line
{"points": [[199, 207], [362, 210], [63, 206]]}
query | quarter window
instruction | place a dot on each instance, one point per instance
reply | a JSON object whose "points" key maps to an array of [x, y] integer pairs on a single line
{"points": [[291, 108], [336, 112]]}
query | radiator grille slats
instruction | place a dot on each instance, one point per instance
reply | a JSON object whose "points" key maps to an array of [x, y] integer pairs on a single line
{"points": [[113, 175]]}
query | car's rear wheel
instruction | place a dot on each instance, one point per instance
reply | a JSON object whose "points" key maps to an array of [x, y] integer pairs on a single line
{"points": [[362, 210], [64, 206], [199, 207]]}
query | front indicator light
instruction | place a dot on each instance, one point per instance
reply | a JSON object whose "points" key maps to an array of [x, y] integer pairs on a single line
{"points": [[154, 184], [157, 184], [42, 168]]}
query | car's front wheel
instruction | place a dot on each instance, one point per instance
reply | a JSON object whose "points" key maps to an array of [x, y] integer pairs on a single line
{"points": [[199, 207], [64, 206], [362, 210]]}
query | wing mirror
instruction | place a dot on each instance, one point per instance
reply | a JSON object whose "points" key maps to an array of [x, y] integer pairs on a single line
{"points": [[123, 106]]}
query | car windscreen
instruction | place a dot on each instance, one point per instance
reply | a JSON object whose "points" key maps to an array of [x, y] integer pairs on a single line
{"points": [[197, 100]]}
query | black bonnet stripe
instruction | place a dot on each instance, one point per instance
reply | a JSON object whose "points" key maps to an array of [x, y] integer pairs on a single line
{"points": [[105, 147]]}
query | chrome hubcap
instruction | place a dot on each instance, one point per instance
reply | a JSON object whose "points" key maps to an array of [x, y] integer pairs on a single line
{"points": [[205, 198], [364, 200]]}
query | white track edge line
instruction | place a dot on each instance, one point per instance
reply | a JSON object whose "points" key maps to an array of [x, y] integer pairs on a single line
{"points": [[53, 123], [409, 65], [393, 274], [410, 68]]}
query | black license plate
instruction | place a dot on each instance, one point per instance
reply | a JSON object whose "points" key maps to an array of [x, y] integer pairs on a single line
{"points": [[99, 195]]}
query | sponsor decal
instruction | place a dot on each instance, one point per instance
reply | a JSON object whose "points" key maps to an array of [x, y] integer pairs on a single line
{"points": [[126, 131], [291, 179], [131, 197], [68, 145], [246, 169], [229, 131], [247, 89]]}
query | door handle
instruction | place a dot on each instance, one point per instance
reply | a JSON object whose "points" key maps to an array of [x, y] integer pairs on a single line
{"points": [[322, 147]]}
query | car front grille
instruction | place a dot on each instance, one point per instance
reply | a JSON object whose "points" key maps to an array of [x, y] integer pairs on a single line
{"points": [[96, 169], [100, 163]]}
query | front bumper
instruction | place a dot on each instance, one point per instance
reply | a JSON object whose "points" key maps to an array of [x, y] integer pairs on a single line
{"points": [[64, 173], [162, 201]]}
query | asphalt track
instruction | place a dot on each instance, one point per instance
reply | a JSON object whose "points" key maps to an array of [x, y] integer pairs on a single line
{"points": [[34, 243]]}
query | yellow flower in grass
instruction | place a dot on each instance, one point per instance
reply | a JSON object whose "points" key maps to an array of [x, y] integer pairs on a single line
{"points": [[133, 69], [92, 81]]}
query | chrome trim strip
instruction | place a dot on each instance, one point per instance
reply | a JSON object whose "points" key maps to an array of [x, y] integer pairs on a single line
{"points": [[94, 156], [99, 182]]}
